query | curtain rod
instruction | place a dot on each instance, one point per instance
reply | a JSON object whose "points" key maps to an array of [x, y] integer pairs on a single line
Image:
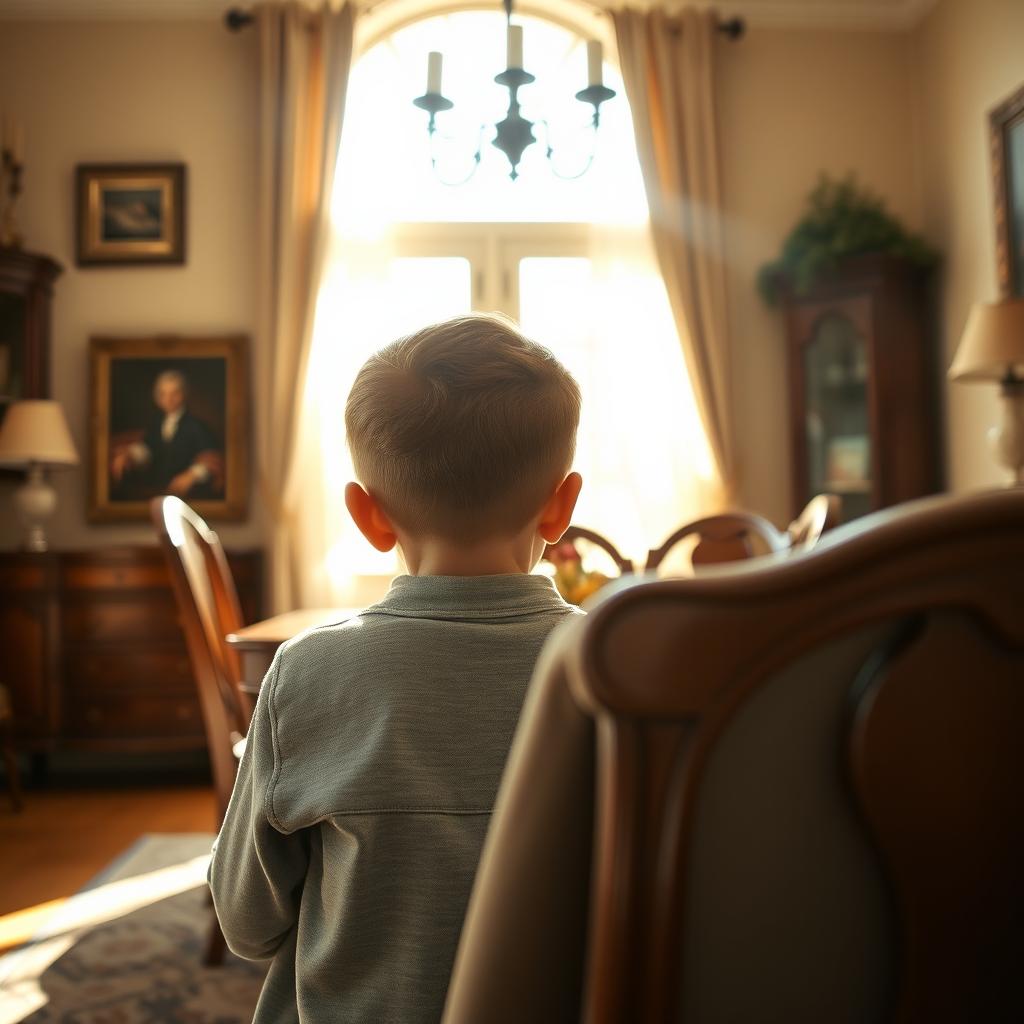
{"points": [[236, 19]]}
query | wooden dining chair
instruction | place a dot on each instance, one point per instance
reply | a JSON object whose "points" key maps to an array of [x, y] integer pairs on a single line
{"points": [[576, 576], [725, 537], [209, 609], [821, 513], [580, 533], [792, 790]]}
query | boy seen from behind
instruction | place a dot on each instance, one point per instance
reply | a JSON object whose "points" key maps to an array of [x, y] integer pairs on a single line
{"points": [[372, 763]]}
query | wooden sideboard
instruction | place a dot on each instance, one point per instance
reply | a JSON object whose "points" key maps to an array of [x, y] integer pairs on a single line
{"points": [[93, 653]]}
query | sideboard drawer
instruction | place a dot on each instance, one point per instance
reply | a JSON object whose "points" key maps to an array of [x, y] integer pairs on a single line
{"points": [[93, 651], [106, 618], [149, 714], [110, 670], [114, 577]]}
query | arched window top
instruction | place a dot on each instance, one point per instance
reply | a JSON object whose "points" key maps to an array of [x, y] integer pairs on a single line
{"points": [[392, 180]]}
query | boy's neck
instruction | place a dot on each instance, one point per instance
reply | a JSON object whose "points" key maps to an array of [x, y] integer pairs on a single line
{"points": [[492, 557]]}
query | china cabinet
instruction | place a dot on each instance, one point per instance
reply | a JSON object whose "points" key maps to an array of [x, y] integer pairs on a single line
{"points": [[26, 287], [863, 386]]}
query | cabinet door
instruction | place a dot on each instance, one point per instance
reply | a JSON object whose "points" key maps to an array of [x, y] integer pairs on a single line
{"points": [[12, 348], [28, 641], [834, 434]]}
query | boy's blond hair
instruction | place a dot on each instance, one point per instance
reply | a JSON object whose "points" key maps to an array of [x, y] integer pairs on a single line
{"points": [[463, 429]]}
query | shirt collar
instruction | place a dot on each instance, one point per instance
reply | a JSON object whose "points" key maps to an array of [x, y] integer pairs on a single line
{"points": [[470, 597]]}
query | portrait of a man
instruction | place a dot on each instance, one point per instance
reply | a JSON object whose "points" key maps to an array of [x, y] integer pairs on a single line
{"points": [[170, 416], [178, 452]]}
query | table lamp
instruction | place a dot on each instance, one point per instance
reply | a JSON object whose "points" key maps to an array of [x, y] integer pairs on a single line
{"points": [[992, 348], [35, 434]]}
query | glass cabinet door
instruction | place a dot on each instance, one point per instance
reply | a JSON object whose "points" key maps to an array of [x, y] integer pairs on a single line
{"points": [[837, 413], [12, 344]]}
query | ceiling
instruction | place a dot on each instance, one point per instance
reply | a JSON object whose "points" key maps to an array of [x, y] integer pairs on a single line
{"points": [[879, 14]]}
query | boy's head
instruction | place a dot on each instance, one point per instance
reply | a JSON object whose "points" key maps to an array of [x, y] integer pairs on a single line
{"points": [[463, 429]]}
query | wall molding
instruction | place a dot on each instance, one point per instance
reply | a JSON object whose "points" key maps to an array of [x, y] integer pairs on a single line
{"points": [[885, 15]]}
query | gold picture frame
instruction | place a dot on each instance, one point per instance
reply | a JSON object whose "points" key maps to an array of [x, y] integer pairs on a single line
{"points": [[130, 214], [169, 415], [1006, 149]]}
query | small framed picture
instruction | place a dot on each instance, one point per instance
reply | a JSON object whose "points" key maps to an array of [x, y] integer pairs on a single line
{"points": [[130, 213], [169, 415], [849, 461], [1006, 144]]}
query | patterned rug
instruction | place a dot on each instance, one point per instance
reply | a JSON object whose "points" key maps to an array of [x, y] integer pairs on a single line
{"points": [[128, 948]]}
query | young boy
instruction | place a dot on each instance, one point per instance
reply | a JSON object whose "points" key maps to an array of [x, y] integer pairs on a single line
{"points": [[352, 838]]}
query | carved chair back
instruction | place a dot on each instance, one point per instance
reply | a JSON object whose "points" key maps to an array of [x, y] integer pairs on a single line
{"points": [[793, 790], [725, 537], [208, 604]]}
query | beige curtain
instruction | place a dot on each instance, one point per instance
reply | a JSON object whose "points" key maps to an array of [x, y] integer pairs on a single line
{"points": [[304, 56], [668, 66]]}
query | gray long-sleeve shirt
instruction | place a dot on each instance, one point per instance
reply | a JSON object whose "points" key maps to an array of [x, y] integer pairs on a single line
{"points": [[352, 838]]}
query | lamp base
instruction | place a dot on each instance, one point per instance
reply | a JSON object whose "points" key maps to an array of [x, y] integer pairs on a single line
{"points": [[1007, 439], [36, 500]]}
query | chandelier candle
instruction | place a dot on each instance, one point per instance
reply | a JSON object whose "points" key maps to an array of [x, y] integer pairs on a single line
{"points": [[594, 62], [515, 46], [433, 72]]}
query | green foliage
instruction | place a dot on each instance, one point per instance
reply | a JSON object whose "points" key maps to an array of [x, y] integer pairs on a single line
{"points": [[841, 220]]}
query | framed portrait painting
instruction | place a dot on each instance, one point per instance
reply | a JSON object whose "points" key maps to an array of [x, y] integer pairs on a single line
{"points": [[169, 415], [130, 213], [1006, 140]]}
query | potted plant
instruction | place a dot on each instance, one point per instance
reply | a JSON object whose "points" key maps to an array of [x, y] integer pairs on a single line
{"points": [[842, 220]]}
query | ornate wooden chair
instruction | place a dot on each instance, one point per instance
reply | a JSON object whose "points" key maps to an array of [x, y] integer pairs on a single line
{"points": [[209, 608], [726, 537], [821, 513], [579, 533], [792, 790]]}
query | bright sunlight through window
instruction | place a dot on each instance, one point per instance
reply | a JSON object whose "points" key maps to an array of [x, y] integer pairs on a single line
{"points": [[571, 260], [392, 177]]}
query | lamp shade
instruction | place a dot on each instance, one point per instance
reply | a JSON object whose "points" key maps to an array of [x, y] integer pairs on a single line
{"points": [[36, 431], [992, 345]]}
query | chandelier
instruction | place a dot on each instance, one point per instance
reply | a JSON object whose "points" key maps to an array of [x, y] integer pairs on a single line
{"points": [[514, 133]]}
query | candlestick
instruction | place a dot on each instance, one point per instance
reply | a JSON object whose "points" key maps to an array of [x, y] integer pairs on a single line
{"points": [[515, 46], [594, 62], [433, 72]]}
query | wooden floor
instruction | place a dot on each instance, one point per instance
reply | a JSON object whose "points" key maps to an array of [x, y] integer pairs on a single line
{"points": [[62, 838]]}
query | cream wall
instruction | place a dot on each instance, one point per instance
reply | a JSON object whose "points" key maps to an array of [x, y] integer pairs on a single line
{"points": [[970, 56], [904, 110], [794, 103], [122, 91]]}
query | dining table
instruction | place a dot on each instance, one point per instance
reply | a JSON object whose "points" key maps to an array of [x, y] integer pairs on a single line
{"points": [[257, 643]]}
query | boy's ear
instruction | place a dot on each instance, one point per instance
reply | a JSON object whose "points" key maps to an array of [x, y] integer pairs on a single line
{"points": [[557, 513], [369, 517]]}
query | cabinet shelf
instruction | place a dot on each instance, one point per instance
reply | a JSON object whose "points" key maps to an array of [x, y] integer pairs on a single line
{"points": [[848, 486]]}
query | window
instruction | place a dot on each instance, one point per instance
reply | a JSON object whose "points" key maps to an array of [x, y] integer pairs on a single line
{"points": [[570, 260]]}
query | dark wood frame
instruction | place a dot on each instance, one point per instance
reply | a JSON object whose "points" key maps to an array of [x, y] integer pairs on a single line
{"points": [[32, 275], [1000, 120], [91, 250], [889, 301], [235, 350]]}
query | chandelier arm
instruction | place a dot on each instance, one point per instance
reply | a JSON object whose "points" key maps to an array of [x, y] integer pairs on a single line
{"points": [[549, 152], [451, 138]]}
